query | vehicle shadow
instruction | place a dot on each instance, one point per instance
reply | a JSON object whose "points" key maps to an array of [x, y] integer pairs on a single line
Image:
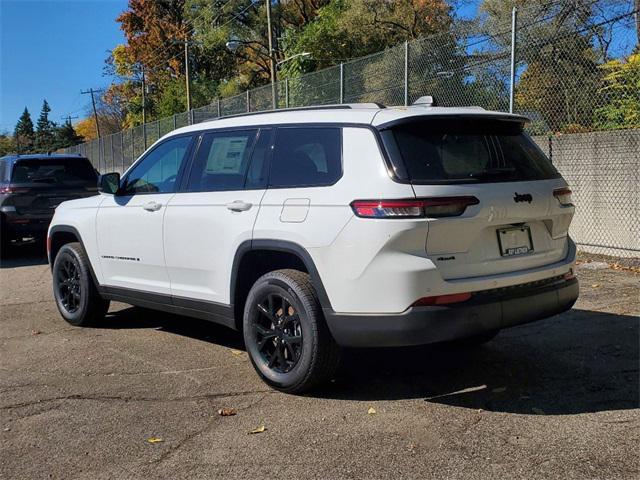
{"points": [[26, 255], [580, 361]]}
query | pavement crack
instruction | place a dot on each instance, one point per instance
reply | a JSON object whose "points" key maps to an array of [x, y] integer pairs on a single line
{"points": [[123, 398]]}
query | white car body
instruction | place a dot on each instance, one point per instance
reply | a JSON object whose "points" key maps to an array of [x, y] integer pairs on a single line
{"points": [[182, 248]]}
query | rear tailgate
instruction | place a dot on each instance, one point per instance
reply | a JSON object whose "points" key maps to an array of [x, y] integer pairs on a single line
{"points": [[498, 234], [39, 185], [515, 220]]}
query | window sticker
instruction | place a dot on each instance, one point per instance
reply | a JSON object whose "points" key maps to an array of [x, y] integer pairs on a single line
{"points": [[226, 154]]}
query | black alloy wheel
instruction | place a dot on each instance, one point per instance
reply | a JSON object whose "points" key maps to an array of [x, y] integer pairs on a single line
{"points": [[278, 332], [67, 282]]}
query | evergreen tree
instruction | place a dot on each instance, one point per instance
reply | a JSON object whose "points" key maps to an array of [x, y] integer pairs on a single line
{"points": [[45, 130], [66, 136], [24, 134]]}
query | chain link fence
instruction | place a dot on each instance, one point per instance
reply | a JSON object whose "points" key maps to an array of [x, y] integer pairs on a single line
{"points": [[584, 107]]}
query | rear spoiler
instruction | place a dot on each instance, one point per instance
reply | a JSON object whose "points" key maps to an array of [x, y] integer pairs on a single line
{"points": [[505, 117]]}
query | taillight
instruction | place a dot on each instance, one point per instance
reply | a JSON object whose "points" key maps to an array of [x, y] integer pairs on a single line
{"points": [[433, 207], [564, 196], [388, 208], [448, 206], [10, 189], [442, 299]]}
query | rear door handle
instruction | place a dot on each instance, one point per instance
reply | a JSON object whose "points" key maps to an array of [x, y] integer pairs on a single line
{"points": [[152, 206], [239, 206]]}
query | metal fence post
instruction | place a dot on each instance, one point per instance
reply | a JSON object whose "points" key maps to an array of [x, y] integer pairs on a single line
{"points": [[406, 73], [218, 103], [144, 135], [341, 83], [113, 156], [512, 86], [286, 93], [122, 150], [158, 122], [175, 125], [248, 102]]}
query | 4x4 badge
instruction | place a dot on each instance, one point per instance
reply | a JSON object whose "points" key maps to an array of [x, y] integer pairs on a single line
{"points": [[522, 197]]}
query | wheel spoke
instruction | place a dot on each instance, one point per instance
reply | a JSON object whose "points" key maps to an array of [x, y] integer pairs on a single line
{"points": [[266, 312], [293, 339], [265, 339]]}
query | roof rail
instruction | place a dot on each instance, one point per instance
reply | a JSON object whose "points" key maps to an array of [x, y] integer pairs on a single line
{"points": [[342, 106]]}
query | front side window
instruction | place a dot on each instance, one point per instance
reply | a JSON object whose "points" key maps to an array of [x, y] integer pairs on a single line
{"points": [[306, 157], [158, 171], [222, 161], [467, 150]]}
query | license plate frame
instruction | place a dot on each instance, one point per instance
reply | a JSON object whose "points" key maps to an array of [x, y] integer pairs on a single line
{"points": [[515, 241]]}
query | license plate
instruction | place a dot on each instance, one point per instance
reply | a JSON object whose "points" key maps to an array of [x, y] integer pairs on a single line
{"points": [[515, 241]]}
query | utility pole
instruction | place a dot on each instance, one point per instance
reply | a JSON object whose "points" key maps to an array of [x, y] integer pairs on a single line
{"points": [[187, 75], [272, 61], [144, 98], [93, 101]]}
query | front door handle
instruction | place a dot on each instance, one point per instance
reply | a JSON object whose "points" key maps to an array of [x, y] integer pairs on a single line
{"points": [[239, 206], [152, 206]]}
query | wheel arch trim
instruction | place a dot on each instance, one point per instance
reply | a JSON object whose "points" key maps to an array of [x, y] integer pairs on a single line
{"points": [[73, 230], [279, 246]]}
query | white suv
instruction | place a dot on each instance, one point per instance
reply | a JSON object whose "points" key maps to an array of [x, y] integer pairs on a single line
{"points": [[310, 229]]}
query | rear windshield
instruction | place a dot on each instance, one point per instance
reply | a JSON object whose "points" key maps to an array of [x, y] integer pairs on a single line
{"points": [[466, 151], [55, 170]]}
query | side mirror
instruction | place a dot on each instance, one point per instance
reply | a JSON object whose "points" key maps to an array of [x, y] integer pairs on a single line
{"points": [[109, 183]]}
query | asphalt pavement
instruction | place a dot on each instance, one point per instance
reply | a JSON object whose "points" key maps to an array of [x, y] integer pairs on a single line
{"points": [[139, 397]]}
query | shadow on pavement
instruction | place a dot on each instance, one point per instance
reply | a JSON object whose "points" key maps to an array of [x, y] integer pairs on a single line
{"points": [[580, 361], [26, 255]]}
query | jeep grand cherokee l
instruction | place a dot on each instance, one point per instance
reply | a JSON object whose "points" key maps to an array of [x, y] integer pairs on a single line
{"points": [[317, 228]]}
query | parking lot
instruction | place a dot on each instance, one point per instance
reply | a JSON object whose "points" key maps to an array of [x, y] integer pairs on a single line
{"points": [[139, 397]]}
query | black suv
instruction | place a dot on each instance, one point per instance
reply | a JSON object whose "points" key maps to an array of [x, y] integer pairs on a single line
{"points": [[32, 186]]}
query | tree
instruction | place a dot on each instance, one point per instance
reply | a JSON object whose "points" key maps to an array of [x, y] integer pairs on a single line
{"points": [[45, 130], [66, 136], [7, 144], [23, 133], [622, 90], [86, 128]]}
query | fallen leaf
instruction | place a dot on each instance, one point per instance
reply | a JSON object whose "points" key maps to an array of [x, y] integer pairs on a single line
{"points": [[537, 411], [154, 440], [371, 411], [227, 412], [35, 332], [595, 285], [499, 390], [237, 353], [260, 429]]}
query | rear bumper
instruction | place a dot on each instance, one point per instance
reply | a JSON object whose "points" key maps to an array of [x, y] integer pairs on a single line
{"points": [[16, 225], [486, 311]]}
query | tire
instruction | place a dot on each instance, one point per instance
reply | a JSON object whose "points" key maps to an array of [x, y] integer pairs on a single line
{"points": [[475, 340], [76, 295], [282, 313]]}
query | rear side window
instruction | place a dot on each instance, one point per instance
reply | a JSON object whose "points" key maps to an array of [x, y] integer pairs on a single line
{"points": [[467, 151], [54, 171], [306, 157], [222, 161]]}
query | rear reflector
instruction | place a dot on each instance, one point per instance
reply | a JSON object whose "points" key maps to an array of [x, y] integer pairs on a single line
{"points": [[433, 207], [442, 299], [564, 196]]}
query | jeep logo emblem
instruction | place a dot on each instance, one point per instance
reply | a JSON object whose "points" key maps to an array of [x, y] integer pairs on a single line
{"points": [[522, 197]]}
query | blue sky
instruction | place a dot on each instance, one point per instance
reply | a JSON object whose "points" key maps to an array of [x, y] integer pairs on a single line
{"points": [[53, 49]]}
